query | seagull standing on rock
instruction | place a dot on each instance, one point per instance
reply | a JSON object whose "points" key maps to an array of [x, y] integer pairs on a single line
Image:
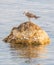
{"points": [[30, 15]]}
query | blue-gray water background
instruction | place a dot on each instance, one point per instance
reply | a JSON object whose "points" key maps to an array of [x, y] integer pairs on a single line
{"points": [[11, 15]]}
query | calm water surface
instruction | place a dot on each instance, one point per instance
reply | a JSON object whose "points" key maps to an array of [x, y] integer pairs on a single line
{"points": [[11, 14]]}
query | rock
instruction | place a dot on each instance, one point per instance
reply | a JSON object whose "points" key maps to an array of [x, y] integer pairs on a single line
{"points": [[28, 33]]}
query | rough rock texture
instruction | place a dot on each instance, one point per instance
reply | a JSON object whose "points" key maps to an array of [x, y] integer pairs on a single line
{"points": [[28, 33]]}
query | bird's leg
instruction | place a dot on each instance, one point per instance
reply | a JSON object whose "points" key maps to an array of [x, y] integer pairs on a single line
{"points": [[28, 18]]}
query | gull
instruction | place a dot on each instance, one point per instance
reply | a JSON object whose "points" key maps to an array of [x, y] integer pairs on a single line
{"points": [[30, 15]]}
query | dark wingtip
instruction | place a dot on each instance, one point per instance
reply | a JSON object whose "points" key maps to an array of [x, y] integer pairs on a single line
{"points": [[36, 17]]}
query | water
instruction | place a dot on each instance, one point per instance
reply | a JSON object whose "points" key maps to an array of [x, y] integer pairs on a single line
{"points": [[11, 15]]}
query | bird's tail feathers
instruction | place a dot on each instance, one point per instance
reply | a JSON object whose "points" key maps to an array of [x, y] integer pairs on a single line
{"points": [[36, 17]]}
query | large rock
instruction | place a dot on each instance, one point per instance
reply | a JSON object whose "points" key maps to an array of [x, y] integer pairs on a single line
{"points": [[28, 34]]}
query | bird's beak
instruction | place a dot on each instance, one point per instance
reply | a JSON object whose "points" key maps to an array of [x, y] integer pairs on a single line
{"points": [[23, 12]]}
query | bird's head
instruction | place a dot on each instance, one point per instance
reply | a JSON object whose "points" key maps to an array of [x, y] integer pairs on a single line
{"points": [[25, 12]]}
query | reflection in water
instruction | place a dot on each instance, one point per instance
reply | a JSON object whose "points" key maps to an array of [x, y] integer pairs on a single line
{"points": [[30, 53]]}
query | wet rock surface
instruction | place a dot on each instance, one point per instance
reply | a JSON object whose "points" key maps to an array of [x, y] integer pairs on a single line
{"points": [[28, 33]]}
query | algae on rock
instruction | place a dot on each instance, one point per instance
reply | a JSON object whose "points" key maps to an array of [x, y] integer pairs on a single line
{"points": [[28, 33]]}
